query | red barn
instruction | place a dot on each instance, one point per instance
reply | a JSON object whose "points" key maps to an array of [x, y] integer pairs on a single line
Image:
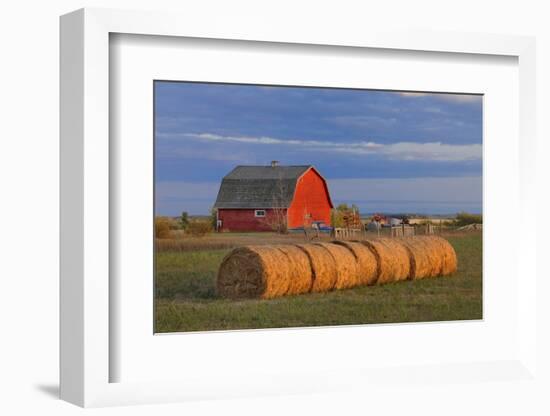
{"points": [[262, 198]]}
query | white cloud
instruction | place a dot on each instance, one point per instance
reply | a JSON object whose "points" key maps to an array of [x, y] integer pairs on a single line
{"points": [[268, 140], [413, 94], [454, 98], [178, 153], [460, 98], [435, 151]]}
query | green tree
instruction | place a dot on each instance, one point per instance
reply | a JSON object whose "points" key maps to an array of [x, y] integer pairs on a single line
{"points": [[336, 218], [184, 220], [214, 217], [464, 218], [337, 214], [199, 228]]}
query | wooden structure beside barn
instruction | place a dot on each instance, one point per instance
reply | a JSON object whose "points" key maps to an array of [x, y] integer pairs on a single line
{"points": [[268, 198]]}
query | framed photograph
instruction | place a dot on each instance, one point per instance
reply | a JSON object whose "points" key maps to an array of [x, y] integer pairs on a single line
{"points": [[270, 212], [377, 187]]}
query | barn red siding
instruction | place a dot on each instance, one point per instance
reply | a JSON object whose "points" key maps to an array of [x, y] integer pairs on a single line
{"points": [[244, 220], [311, 201]]}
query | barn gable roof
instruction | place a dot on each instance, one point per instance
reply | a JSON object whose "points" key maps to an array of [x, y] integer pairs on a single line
{"points": [[259, 186]]}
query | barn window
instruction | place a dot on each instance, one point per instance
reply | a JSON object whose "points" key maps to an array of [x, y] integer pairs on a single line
{"points": [[259, 213]]}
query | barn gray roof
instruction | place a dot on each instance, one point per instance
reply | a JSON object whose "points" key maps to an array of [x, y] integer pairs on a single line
{"points": [[259, 186]]}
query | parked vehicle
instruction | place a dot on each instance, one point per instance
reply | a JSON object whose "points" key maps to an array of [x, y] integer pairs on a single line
{"points": [[315, 225], [321, 226]]}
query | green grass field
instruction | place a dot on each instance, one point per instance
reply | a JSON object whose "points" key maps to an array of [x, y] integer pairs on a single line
{"points": [[186, 297]]}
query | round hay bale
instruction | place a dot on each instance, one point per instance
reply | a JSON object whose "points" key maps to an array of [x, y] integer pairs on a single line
{"points": [[346, 265], [393, 259], [254, 272], [367, 265], [436, 253], [449, 263], [323, 267], [300, 271], [425, 257]]}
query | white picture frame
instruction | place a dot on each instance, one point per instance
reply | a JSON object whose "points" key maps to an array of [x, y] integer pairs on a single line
{"points": [[86, 328]]}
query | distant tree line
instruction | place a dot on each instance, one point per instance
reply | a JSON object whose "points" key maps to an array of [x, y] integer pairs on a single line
{"points": [[196, 227], [464, 218]]}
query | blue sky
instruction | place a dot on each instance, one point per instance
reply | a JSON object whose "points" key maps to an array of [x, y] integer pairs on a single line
{"points": [[384, 151]]}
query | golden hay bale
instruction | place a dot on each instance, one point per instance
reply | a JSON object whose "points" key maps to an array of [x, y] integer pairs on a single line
{"points": [[367, 265], [346, 265], [425, 257], [301, 273], [254, 272], [393, 259], [322, 266], [435, 252], [449, 262]]}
